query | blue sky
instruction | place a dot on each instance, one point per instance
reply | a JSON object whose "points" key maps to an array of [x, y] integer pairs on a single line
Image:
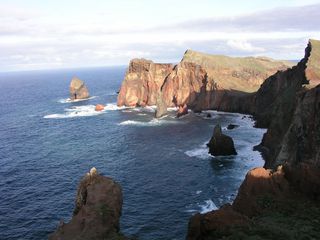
{"points": [[60, 34]]}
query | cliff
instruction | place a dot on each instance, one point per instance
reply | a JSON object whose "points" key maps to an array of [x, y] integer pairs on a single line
{"points": [[142, 82], [97, 210], [274, 203], [278, 99], [201, 81]]}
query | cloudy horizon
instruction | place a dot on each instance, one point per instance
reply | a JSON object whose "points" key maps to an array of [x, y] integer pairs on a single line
{"points": [[42, 35]]}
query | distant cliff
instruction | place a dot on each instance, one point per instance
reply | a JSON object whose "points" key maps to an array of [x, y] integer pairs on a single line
{"points": [[200, 80]]}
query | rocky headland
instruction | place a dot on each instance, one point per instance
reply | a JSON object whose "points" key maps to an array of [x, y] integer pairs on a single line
{"points": [[281, 200], [97, 211], [78, 90], [200, 81]]}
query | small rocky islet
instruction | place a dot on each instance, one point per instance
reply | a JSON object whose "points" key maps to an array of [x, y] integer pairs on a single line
{"points": [[274, 201]]}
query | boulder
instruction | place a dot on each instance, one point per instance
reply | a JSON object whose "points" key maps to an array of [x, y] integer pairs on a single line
{"points": [[97, 210], [220, 144], [182, 110], [232, 126], [78, 89], [161, 107], [99, 107]]}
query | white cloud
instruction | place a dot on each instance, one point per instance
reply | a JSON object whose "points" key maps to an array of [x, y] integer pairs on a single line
{"points": [[243, 45]]}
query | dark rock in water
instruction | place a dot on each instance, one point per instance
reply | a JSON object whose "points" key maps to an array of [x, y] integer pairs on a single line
{"points": [[209, 115], [220, 144], [183, 110], [232, 126], [97, 211], [161, 107], [78, 89]]}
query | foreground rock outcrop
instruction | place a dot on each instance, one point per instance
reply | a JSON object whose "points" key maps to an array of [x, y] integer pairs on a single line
{"points": [[97, 210], [221, 144], [78, 89], [268, 206]]}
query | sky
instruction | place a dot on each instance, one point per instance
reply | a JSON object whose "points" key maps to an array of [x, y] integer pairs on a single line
{"points": [[37, 34]]}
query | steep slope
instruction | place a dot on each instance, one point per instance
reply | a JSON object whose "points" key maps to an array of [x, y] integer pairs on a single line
{"points": [[277, 99], [142, 82]]}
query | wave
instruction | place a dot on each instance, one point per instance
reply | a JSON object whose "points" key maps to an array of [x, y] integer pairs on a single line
{"points": [[208, 206], [79, 111], [200, 152], [153, 122], [68, 100], [114, 107]]}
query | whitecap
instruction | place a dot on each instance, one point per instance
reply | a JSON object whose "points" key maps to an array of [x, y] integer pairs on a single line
{"points": [[153, 122], [198, 192], [208, 206], [78, 111], [200, 152], [68, 100], [114, 107]]}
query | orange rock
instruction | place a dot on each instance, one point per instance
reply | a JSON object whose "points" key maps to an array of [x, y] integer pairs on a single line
{"points": [[99, 107], [183, 110]]}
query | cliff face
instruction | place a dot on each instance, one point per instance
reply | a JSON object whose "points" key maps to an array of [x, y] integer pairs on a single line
{"points": [[97, 210], [271, 202], [276, 102], [142, 83], [201, 81]]}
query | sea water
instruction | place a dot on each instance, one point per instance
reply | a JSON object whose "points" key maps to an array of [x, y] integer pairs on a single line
{"points": [[47, 143]]}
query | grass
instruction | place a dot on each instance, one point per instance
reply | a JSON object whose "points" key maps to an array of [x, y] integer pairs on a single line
{"points": [[281, 220]]}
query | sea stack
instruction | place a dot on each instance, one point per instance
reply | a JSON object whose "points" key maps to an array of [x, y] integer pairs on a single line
{"points": [[78, 90], [161, 106], [97, 210], [220, 144]]}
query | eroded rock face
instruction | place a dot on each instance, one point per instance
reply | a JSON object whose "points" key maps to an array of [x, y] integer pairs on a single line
{"points": [[78, 89], [184, 85], [220, 144], [161, 106], [200, 80], [283, 100], [201, 226], [97, 210], [142, 83]]}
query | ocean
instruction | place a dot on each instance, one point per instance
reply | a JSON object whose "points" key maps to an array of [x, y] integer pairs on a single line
{"points": [[48, 143]]}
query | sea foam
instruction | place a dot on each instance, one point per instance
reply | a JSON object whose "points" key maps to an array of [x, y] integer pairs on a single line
{"points": [[208, 206]]}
